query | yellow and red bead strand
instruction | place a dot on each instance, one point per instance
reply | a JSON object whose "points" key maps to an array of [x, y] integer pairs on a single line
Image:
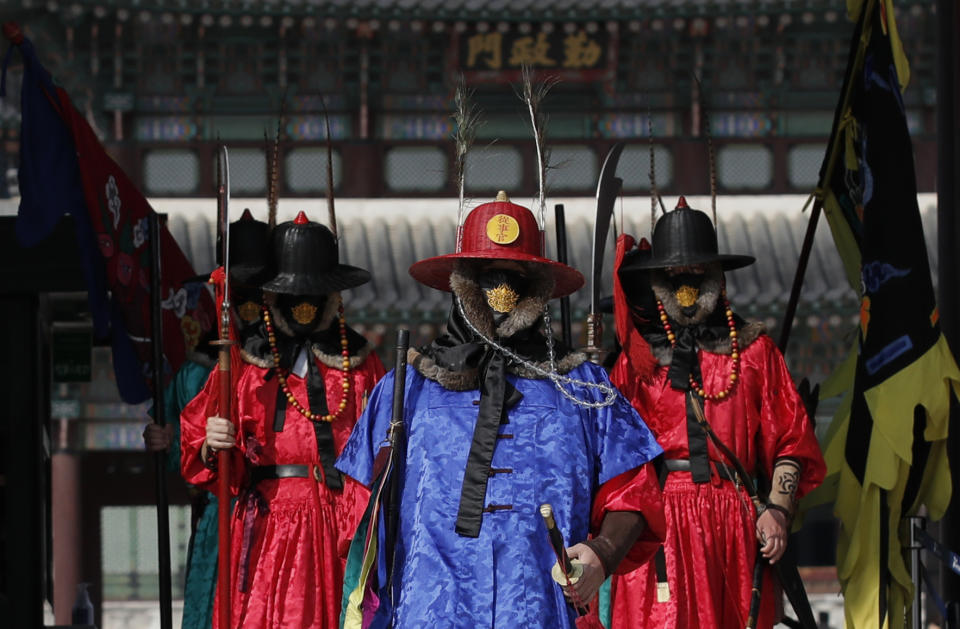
{"points": [[282, 379], [734, 352]]}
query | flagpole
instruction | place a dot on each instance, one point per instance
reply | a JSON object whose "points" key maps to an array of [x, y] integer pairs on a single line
{"points": [[948, 234], [159, 417], [791, 311], [833, 150]]}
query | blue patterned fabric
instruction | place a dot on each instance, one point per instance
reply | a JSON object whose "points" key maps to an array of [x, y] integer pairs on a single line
{"points": [[559, 453]]}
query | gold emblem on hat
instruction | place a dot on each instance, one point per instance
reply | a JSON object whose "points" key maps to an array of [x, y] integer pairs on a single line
{"points": [[503, 229], [687, 296], [304, 313], [502, 298], [249, 311]]}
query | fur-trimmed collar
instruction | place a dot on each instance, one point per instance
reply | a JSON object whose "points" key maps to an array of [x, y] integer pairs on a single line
{"points": [[330, 309], [467, 380], [256, 361], [707, 302], [463, 283], [334, 361], [707, 299], [529, 310], [745, 336]]}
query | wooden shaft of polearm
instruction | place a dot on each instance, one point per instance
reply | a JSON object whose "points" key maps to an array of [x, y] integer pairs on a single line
{"points": [[804, 258], [159, 417], [397, 438], [224, 585], [756, 590], [225, 399]]}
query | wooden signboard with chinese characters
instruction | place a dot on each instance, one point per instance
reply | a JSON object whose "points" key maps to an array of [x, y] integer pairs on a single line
{"points": [[572, 55]]}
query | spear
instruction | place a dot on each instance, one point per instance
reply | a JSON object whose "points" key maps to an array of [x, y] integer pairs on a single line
{"points": [[226, 394], [331, 209]]}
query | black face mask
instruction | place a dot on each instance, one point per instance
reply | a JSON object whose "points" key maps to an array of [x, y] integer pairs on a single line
{"points": [[502, 290], [302, 312], [686, 288]]}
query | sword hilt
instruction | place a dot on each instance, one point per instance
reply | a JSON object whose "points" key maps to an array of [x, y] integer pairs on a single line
{"points": [[564, 572], [594, 336], [556, 540]]}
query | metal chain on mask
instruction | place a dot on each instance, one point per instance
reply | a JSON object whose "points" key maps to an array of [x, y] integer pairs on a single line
{"points": [[558, 380]]}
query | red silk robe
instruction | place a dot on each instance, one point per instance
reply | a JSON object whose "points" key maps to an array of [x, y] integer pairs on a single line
{"points": [[711, 538], [300, 531]]}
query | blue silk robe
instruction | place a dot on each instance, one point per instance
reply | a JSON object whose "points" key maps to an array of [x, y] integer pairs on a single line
{"points": [[553, 452]]}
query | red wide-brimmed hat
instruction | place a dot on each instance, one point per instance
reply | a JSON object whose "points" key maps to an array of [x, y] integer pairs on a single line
{"points": [[499, 230]]}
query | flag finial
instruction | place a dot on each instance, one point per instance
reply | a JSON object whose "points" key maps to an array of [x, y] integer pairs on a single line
{"points": [[682, 204], [301, 219]]}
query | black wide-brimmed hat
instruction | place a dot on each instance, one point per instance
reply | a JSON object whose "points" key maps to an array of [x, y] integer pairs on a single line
{"points": [[250, 260], [684, 237], [308, 261]]}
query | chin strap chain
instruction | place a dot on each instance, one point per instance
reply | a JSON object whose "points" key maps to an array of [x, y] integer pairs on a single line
{"points": [[559, 381]]}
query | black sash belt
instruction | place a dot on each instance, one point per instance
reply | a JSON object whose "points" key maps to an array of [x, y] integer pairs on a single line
{"points": [[684, 465], [270, 472]]}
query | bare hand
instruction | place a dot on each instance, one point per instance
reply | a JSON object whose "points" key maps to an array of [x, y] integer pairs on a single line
{"points": [[772, 534], [158, 438], [221, 433], [592, 578]]}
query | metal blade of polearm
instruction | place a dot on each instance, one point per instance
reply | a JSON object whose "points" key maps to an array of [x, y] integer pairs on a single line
{"points": [[223, 226], [608, 189]]}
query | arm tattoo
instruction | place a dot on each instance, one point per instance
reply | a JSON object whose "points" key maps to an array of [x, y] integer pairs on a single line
{"points": [[788, 481]]}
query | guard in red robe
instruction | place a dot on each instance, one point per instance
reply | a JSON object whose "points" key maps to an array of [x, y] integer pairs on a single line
{"points": [[689, 359], [304, 380]]}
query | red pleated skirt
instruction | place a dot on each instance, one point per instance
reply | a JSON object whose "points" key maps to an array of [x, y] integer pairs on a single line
{"points": [[710, 549]]}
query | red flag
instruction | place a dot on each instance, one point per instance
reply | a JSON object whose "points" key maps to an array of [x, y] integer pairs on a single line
{"points": [[119, 214], [113, 235]]}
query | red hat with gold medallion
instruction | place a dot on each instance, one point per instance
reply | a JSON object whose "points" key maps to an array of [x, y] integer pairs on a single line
{"points": [[499, 230]]}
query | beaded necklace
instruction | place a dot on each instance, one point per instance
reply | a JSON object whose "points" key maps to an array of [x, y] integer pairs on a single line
{"points": [[282, 377], [734, 352]]}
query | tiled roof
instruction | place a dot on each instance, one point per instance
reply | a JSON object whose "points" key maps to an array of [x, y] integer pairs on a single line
{"points": [[387, 236]]}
